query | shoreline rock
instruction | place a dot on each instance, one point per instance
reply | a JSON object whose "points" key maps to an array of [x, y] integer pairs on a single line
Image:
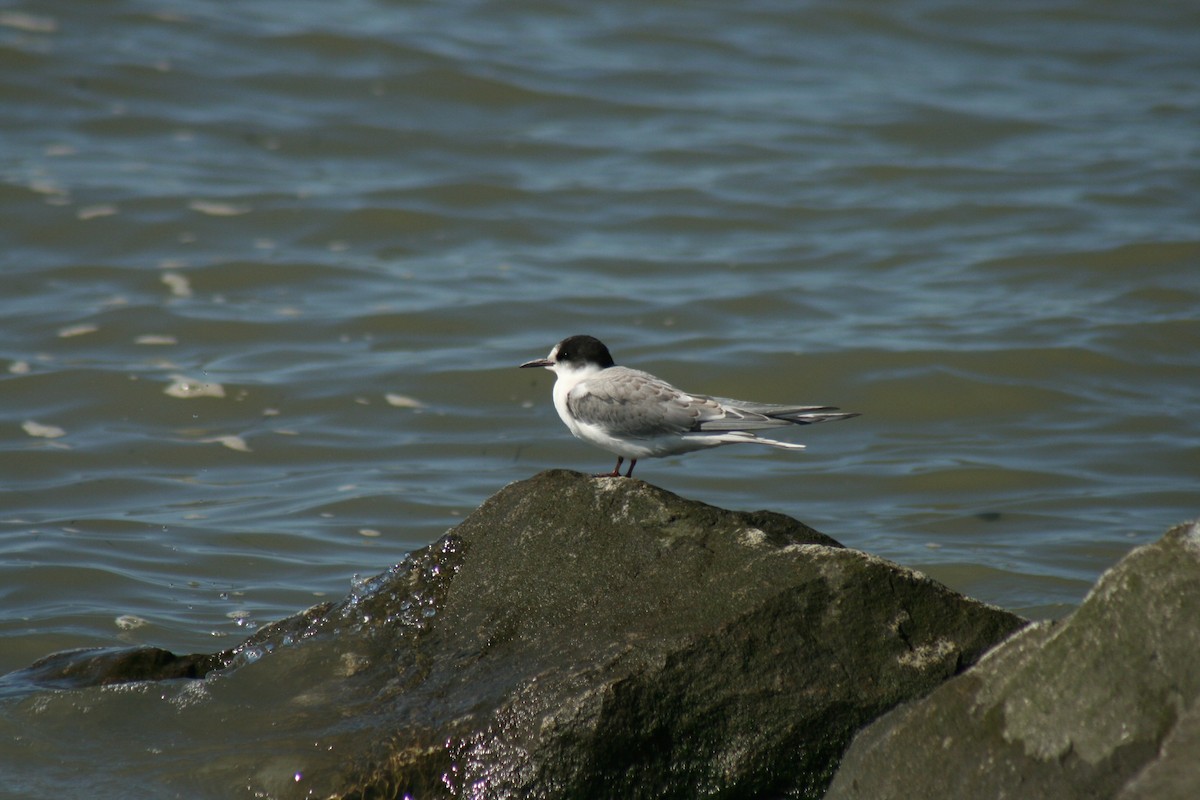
{"points": [[585, 638], [1102, 704]]}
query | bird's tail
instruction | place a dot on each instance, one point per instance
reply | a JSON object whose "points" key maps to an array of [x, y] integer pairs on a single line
{"points": [[746, 437], [777, 443]]}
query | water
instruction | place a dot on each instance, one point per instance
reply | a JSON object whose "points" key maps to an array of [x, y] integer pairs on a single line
{"points": [[979, 226]]}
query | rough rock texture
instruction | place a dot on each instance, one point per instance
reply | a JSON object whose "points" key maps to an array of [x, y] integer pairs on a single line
{"points": [[1101, 705], [585, 638], [619, 641]]}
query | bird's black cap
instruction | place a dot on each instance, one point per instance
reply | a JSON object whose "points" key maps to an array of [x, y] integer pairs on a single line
{"points": [[584, 350]]}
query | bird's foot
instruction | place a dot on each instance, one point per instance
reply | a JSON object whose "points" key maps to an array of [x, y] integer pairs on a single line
{"points": [[616, 471]]}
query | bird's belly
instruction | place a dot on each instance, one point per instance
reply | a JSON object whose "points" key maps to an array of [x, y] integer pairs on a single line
{"points": [[651, 447]]}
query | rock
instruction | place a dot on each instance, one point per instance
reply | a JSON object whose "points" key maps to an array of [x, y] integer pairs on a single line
{"points": [[619, 641], [1100, 705], [106, 666], [586, 638]]}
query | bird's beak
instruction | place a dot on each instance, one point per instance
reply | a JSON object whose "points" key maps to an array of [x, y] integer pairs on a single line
{"points": [[538, 362]]}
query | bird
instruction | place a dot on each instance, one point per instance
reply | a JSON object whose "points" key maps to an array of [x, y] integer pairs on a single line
{"points": [[635, 415]]}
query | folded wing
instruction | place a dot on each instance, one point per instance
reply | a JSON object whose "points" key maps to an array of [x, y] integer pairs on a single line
{"points": [[740, 415], [630, 403]]}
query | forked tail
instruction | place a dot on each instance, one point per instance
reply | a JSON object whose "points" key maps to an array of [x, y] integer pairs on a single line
{"points": [[777, 443]]}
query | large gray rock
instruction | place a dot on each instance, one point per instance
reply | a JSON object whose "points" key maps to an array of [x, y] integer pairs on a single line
{"points": [[1101, 705], [584, 638], [616, 640]]}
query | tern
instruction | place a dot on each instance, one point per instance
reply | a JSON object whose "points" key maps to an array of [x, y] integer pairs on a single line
{"points": [[635, 415]]}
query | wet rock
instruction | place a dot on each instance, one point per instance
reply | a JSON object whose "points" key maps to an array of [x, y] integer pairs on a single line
{"points": [[606, 638], [589, 638], [106, 666], [1100, 705]]}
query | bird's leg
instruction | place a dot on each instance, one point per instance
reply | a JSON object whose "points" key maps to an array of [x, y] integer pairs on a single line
{"points": [[632, 462], [616, 473]]}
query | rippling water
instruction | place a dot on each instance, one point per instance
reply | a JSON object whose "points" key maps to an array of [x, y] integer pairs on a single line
{"points": [[267, 273]]}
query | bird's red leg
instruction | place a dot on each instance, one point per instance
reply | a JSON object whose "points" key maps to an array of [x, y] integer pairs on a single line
{"points": [[632, 462], [616, 473]]}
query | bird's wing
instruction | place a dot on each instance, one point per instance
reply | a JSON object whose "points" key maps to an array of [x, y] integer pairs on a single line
{"points": [[744, 415], [631, 403]]}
